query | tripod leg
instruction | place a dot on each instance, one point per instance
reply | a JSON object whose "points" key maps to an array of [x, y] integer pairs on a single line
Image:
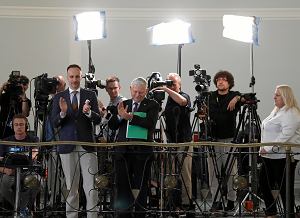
{"points": [[215, 176]]}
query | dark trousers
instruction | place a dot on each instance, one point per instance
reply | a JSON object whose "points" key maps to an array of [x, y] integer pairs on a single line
{"points": [[273, 176], [132, 173]]}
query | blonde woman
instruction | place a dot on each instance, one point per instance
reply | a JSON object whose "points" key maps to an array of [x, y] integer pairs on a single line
{"points": [[282, 125]]}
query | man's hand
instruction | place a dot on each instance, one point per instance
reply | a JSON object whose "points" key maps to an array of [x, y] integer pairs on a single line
{"points": [[163, 88], [63, 105], [123, 112], [232, 103], [8, 171], [86, 107], [102, 109], [262, 151], [3, 87]]}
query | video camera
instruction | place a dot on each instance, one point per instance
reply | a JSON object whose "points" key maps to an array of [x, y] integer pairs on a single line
{"points": [[249, 98], [200, 78], [13, 87], [44, 85], [154, 81], [92, 83]]}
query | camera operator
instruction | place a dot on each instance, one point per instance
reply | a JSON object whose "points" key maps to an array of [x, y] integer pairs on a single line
{"points": [[178, 128], [50, 131], [223, 108], [52, 135], [13, 101], [113, 90], [17, 155]]}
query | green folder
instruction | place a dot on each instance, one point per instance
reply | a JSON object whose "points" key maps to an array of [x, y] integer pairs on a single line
{"points": [[137, 132]]}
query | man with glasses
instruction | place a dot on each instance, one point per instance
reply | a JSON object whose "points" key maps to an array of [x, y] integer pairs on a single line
{"points": [[223, 108]]}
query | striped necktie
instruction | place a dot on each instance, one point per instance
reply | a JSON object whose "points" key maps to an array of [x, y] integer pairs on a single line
{"points": [[135, 107]]}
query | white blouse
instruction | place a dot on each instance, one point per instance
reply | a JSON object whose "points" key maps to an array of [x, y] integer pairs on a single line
{"points": [[281, 126]]}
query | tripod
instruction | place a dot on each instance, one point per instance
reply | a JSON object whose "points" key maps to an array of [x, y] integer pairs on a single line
{"points": [[249, 129], [201, 127]]}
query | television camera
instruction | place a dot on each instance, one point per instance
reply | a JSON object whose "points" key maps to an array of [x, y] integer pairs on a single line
{"points": [[92, 83], [154, 81], [201, 79], [13, 87], [44, 87]]}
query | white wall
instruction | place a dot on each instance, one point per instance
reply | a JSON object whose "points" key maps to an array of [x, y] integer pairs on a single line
{"points": [[37, 37]]}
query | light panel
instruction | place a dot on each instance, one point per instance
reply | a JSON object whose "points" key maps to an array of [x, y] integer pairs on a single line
{"points": [[241, 28], [174, 32], [90, 25]]}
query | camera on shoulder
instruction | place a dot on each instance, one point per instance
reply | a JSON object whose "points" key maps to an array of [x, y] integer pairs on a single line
{"points": [[154, 81], [13, 87]]}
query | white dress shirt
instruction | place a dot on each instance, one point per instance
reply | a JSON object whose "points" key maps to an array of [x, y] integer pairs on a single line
{"points": [[281, 126]]}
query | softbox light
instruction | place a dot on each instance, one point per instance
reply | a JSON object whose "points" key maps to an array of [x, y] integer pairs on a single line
{"points": [[172, 33], [90, 25], [241, 28]]}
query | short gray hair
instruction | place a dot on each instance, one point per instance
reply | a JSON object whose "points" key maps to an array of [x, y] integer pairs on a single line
{"points": [[139, 81]]}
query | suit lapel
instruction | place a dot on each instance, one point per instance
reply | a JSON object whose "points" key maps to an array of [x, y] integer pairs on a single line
{"points": [[67, 97], [129, 104], [143, 105], [82, 100]]}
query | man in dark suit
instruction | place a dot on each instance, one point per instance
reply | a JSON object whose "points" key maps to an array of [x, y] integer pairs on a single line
{"points": [[132, 163], [74, 112]]}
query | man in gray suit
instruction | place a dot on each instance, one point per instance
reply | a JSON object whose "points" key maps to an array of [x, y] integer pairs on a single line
{"points": [[74, 112]]}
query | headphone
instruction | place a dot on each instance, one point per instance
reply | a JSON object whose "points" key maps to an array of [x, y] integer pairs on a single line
{"points": [[21, 116]]}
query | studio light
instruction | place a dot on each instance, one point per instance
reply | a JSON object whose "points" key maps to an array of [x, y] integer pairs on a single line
{"points": [[90, 25], [240, 28], [172, 33], [176, 32], [244, 29]]}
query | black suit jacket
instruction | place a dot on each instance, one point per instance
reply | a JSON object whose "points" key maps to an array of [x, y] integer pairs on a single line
{"points": [[151, 108], [75, 126]]}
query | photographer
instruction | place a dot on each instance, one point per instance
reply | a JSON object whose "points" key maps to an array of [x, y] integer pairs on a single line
{"points": [[13, 101], [178, 129]]}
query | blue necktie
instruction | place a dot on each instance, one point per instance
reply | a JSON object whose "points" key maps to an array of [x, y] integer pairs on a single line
{"points": [[74, 101], [135, 107]]}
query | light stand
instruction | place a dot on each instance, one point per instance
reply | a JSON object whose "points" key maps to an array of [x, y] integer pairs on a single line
{"points": [[90, 26], [179, 59], [245, 29], [175, 32]]}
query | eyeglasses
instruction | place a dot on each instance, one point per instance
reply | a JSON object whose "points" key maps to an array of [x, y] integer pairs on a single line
{"points": [[221, 79]]}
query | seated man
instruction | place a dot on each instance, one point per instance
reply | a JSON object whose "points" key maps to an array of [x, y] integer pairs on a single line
{"points": [[12, 155]]}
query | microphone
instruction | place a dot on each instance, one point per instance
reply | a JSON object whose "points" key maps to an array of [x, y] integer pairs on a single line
{"points": [[87, 102]]}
